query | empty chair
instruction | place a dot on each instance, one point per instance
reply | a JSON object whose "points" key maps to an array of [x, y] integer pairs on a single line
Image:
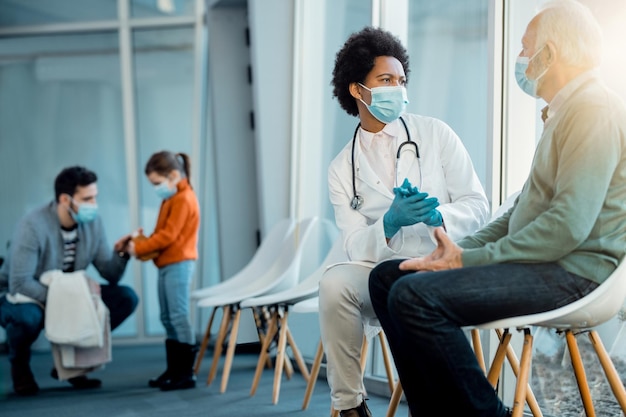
{"points": [[282, 274], [279, 304], [262, 260]]}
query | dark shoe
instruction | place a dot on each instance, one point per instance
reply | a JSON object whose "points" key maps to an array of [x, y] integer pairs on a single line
{"points": [[360, 411], [181, 374], [170, 357], [23, 380], [79, 382], [82, 382], [179, 382], [159, 380]]}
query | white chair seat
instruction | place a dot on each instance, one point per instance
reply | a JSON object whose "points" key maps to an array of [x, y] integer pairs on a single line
{"points": [[284, 273], [262, 261], [310, 305], [599, 306], [306, 288]]}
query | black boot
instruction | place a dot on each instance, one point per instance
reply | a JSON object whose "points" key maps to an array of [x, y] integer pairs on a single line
{"points": [[182, 376], [170, 350]]}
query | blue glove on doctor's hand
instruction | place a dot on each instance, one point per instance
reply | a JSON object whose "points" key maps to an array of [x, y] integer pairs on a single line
{"points": [[409, 208], [434, 219]]}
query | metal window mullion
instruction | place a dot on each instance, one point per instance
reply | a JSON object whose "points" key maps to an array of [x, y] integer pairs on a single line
{"points": [[298, 27], [130, 141], [97, 26], [163, 22], [60, 28], [199, 89], [198, 128]]}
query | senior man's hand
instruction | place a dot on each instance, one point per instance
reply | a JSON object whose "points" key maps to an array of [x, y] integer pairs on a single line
{"points": [[447, 255]]}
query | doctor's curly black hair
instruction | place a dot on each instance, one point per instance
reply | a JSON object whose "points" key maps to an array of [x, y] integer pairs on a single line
{"points": [[356, 59]]}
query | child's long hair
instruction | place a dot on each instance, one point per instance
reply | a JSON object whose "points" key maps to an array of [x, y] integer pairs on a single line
{"points": [[165, 162]]}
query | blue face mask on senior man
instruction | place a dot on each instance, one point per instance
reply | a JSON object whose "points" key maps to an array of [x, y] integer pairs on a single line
{"points": [[526, 84], [163, 190], [86, 213], [388, 103]]}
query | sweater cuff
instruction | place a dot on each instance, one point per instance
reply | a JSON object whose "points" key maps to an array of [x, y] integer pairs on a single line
{"points": [[474, 257]]}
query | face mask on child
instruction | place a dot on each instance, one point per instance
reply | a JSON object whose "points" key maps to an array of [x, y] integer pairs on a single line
{"points": [[163, 190]]}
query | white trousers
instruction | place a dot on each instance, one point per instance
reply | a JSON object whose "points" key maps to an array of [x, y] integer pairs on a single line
{"points": [[345, 310]]}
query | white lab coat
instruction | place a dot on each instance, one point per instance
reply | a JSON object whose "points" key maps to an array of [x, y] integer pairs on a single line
{"points": [[448, 174]]}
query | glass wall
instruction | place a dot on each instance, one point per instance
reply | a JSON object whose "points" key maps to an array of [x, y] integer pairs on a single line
{"points": [[345, 18], [37, 12], [163, 74], [448, 52], [60, 106], [65, 100]]}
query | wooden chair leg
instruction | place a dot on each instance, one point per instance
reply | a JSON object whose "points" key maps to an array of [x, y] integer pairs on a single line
{"points": [[498, 360], [387, 361], [395, 400], [315, 370], [297, 355], [478, 349], [219, 343], [271, 331], [230, 352], [364, 347], [280, 356], [579, 372], [522, 378], [205, 343], [530, 396], [287, 365], [609, 370], [265, 311]]}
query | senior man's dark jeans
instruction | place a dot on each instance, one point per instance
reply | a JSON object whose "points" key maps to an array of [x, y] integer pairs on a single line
{"points": [[423, 314]]}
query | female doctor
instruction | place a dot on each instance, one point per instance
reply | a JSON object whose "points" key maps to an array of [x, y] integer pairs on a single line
{"points": [[400, 176]]}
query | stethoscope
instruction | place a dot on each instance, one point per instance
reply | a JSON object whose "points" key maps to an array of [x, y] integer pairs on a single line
{"points": [[357, 200]]}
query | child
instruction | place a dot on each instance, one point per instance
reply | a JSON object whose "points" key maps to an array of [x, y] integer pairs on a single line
{"points": [[174, 242]]}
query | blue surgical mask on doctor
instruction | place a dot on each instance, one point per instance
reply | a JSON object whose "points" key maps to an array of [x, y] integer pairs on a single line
{"points": [[85, 213], [388, 102], [526, 84], [164, 191]]}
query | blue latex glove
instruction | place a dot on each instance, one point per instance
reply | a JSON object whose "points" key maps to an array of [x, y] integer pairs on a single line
{"points": [[409, 207], [434, 219], [406, 189]]}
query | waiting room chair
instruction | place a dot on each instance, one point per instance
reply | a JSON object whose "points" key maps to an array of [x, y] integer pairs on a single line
{"points": [[581, 316], [279, 304], [282, 274], [262, 261]]}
